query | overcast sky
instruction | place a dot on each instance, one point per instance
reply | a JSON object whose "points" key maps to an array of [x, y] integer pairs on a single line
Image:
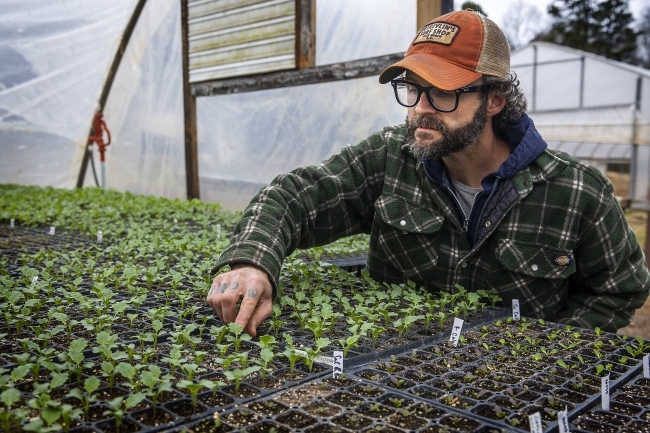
{"points": [[495, 9]]}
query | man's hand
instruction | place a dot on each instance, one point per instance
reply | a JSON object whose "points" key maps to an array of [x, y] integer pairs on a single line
{"points": [[249, 285]]}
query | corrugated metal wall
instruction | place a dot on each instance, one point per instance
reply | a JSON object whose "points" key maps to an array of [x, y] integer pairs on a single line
{"points": [[240, 37]]}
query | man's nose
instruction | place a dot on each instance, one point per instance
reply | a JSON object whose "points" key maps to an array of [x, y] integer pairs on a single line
{"points": [[423, 105]]}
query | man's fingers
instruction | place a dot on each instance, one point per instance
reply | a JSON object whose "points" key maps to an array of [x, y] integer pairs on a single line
{"points": [[247, 284], [263, 310], [214, 296], [228, 304], [248, 306]]}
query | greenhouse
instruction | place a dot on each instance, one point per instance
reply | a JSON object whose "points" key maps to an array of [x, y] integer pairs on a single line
{"points": [[134, 134]]}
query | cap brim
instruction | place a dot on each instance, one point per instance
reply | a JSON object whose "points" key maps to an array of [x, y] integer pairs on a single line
{"points": [[434, 70]]}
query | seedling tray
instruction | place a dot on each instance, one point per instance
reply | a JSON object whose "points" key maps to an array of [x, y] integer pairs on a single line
{"points": [[154, 262]]}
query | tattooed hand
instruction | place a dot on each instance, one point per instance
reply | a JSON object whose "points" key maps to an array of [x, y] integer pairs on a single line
{"points": [[247, 284]]}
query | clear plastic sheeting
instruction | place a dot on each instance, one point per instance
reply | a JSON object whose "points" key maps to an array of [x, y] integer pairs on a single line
{"points": [[145, 108], [570, 79], [54, 57], [247, 139], [351, 30], [605, 125], [584, 105]]}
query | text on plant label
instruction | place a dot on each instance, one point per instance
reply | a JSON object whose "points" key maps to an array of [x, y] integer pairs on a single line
{"points": [[455, 331], [516, 315], [337, 369], [535, 422]]}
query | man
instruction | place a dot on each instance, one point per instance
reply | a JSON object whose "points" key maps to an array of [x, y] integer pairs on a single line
{"points": [[465, 193]]}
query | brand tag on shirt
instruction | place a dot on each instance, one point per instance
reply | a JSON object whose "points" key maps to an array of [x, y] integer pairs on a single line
{"points": [[561, 259]]}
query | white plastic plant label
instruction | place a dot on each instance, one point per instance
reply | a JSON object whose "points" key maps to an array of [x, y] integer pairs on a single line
{"points": [[328, 360], [455, 331], [646, 366], [516, 315], [563, 420], [535, 422], [52, 229], [302, 353], [218, 231], [99, 236], [337, 369], [34, 280], [12, 223], [605, 392]]}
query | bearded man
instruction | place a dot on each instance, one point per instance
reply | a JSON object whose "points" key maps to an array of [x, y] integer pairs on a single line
{"points": [[465, 193]]}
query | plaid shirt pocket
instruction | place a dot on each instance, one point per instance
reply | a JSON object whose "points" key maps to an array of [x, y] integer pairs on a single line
{"points": [[405, 241], [407, 217], [535, 260]]}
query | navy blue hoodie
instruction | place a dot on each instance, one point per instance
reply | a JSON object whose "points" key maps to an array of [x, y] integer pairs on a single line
{"points": [[525, 146]]}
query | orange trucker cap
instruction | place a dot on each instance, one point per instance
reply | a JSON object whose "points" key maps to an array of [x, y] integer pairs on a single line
{"points": [[455, 50]]}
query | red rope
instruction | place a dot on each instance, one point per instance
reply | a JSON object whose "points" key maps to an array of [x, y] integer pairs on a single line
{"points": [[99, 126]]}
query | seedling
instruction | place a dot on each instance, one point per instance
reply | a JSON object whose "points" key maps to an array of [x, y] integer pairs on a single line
{"points": [[194, 389], [600, 368], [90, 385], [119, 405], [238, 374], [10, 418], [312, 353], [237, 335], [291, 353]]}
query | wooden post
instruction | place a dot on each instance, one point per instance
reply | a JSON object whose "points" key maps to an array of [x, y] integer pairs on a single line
{"points": [[189, 111], [647, 238], [305, 33], [427, 10]]}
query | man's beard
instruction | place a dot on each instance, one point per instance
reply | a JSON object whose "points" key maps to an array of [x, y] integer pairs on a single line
{"points": [[452, 140]]}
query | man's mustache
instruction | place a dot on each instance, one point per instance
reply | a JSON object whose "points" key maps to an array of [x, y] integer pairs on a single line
{"points": [[427, 121]]}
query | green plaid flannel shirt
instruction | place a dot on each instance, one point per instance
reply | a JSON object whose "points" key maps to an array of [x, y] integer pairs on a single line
{"points": [[557, 208]]}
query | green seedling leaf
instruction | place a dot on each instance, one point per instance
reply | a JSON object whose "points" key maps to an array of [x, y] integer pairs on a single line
{"points": [[9, 397], [91, 384]]}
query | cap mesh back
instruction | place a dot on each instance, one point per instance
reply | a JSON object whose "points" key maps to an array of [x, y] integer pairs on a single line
{"points": [[495, 57]]}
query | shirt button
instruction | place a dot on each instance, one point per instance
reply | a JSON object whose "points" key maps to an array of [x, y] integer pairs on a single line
{"points": [[405, 232], [534, 267], [402, 223], [488, 223], [463, 265]]}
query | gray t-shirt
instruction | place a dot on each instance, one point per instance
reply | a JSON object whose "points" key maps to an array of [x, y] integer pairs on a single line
{"points": [[466, 195]]}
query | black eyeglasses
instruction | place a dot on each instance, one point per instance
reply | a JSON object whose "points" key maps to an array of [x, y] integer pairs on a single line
{"points": [[408, 94]]}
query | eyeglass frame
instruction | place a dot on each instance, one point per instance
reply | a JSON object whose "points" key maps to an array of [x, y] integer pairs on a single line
{"points": [[426, 89]]}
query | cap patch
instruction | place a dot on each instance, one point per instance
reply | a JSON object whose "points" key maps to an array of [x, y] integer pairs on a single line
{"points": [[439, 32], [561, 259]]}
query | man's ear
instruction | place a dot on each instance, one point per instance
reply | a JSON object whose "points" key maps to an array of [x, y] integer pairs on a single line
{"points": [[496, 103]]}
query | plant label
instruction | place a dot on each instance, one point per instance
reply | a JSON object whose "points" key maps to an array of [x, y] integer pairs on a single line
{"points": [[218, 231], [328, 360], [535, 422], [99, 236], [337, 368], [302, 353], [646, 366], [455, 331], [516, 315], [34, 280], [12, 223], [563, 420], [605, 392], [52, 229]]}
